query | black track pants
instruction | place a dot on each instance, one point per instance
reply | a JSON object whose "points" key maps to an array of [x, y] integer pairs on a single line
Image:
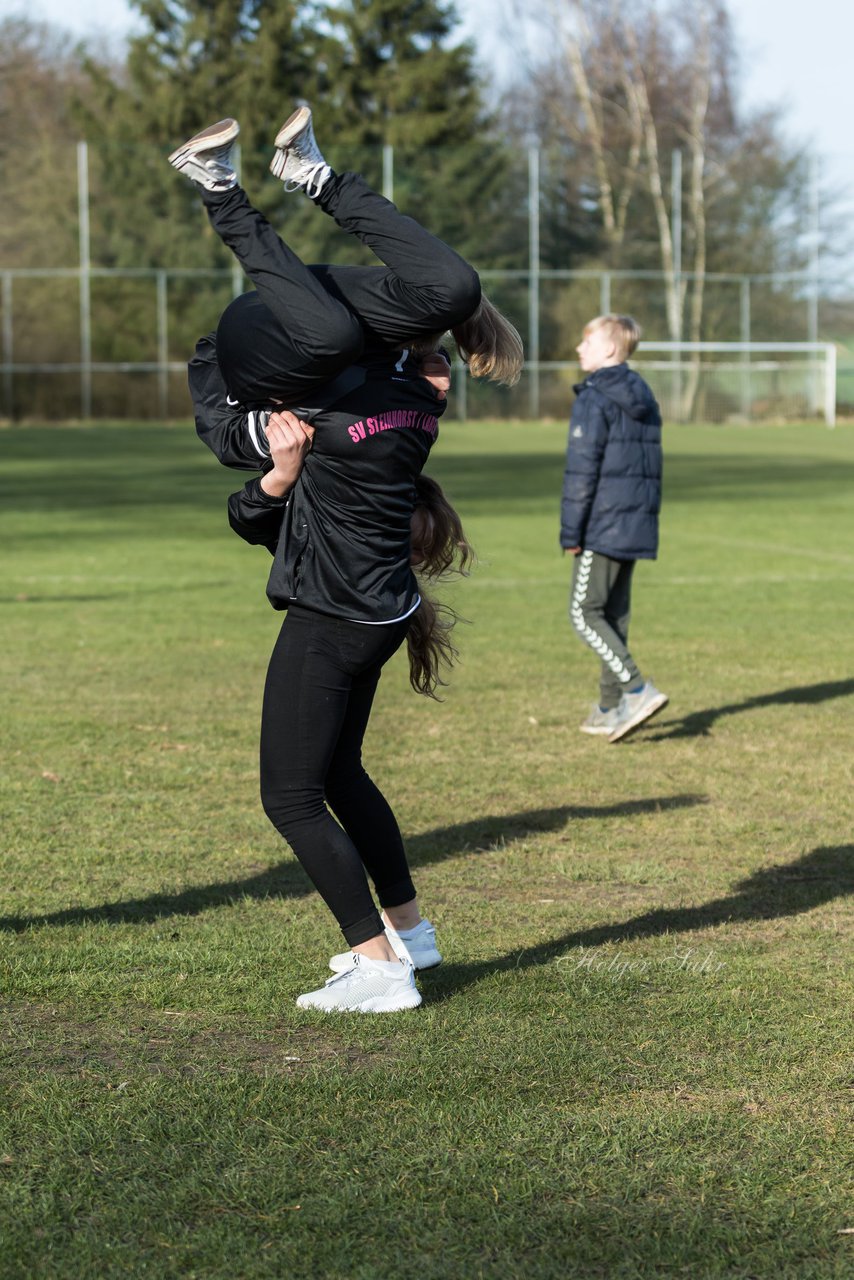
{"points": [[320, 687], [599, 610], [303, 324]]}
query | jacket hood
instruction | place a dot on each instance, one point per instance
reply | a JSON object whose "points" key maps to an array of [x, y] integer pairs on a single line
{"points": [[627, 389]]}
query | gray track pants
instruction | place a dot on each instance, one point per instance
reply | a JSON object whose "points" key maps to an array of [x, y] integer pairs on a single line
{"points": [[599, 610]]}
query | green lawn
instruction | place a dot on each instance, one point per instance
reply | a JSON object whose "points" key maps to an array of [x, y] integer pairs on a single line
{"points": [[635, 1061]]}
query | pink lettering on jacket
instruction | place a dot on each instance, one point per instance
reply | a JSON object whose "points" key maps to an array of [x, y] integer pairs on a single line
{"points": [[394, 420]]}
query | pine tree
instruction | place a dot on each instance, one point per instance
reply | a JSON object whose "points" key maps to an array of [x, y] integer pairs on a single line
{"points": [[39, 227], [193, 63], [375, 72], [390, 73]]}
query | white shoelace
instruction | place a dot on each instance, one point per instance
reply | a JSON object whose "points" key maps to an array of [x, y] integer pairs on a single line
{"points": [[220, 170], [314, 175]]}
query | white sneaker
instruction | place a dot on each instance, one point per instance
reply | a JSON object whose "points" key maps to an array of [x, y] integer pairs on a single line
{"points": [[297, 159], [417, 946], [368, 986], [599, 721], [634, 708], [206, 157]]}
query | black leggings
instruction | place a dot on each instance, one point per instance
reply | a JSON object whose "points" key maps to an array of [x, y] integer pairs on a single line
{"points": [[321, 683], [303, 325]]}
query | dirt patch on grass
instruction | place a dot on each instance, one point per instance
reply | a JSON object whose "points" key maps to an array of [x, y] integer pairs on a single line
{"points": [[50, 1039]]}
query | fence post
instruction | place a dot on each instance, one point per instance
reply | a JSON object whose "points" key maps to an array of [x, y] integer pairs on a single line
{"points": [[8, 344], [162, 345], [830, 385], [814, 284], [534, 280], [746, 398], [814, 237], [676, 239], [461, 390], [676, 220], [605, 293], [85, 281], [388, 171], [236, 270]]}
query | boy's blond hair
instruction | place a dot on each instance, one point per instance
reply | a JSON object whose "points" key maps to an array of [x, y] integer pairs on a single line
{"points": [[624, 332]]}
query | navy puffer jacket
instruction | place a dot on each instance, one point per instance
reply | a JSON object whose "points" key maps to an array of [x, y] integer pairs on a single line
{"points": [[612, 482]]}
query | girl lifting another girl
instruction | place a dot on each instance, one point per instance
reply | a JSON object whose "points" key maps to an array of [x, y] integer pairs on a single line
{"points": [[337, 504]]}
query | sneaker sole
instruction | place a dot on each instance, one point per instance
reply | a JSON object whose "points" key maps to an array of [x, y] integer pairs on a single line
{"points": [[640, 717], [397, 1003], [292, 126], [215, 135], [391, 1004]]}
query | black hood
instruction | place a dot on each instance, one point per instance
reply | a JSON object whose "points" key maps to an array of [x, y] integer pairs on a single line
{"points": [[627, 389]]}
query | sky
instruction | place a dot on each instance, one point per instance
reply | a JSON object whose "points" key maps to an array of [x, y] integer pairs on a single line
{"points": [[801, 62]]}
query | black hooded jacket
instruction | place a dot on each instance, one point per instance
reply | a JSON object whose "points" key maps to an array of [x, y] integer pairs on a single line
{"points": [[341, 539], [612, 483]]}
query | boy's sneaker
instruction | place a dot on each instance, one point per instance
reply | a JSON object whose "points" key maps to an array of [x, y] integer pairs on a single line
{"points": [[599, 721], [635, 708], [298, 160], [367, 986], [417, 946], [206, 157]]}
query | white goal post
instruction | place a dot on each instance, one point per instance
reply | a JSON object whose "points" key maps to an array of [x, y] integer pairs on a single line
{"points": [[741, 381]]}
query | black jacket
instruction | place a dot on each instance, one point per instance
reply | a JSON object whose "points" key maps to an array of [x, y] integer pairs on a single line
{"points": [[612, 482], [341, 538]]}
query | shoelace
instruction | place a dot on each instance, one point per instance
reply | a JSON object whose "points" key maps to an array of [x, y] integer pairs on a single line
{"points": [[346, 973], [306, 178], [353, 974], [220, 170]]}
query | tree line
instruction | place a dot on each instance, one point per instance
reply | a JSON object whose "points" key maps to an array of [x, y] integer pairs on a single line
{"points": [[612, 97]]}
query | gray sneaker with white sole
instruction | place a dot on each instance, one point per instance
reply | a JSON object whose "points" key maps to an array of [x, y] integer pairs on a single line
{"points": [[600, 722], [635, 708], [206, 158], [298, 160]]}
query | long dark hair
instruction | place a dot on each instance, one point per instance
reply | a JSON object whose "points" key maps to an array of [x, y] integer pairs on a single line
{"points": [[440, 549]]}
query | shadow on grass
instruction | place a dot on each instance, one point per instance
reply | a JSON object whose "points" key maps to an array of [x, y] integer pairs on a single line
{"points": [[714, 477], [788, 889], [129, 593], [698, 724], [287, 879]]}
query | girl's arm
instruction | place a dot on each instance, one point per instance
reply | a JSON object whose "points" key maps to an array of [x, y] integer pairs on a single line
{"points": [[289, 438], [255, 513], [236, 435], [255, 516]]}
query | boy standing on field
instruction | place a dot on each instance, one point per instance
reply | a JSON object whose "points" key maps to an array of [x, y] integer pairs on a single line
{"points": [[609, 515]]}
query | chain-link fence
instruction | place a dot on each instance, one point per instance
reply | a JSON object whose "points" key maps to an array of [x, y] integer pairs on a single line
{"points": [[87, 331]]}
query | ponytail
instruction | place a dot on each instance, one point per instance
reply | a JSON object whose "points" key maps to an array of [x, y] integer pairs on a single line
{"points": [[439, 549], [429, 645]]}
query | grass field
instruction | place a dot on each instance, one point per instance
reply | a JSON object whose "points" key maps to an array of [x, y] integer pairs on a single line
{"points": [[635, 1061]]}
